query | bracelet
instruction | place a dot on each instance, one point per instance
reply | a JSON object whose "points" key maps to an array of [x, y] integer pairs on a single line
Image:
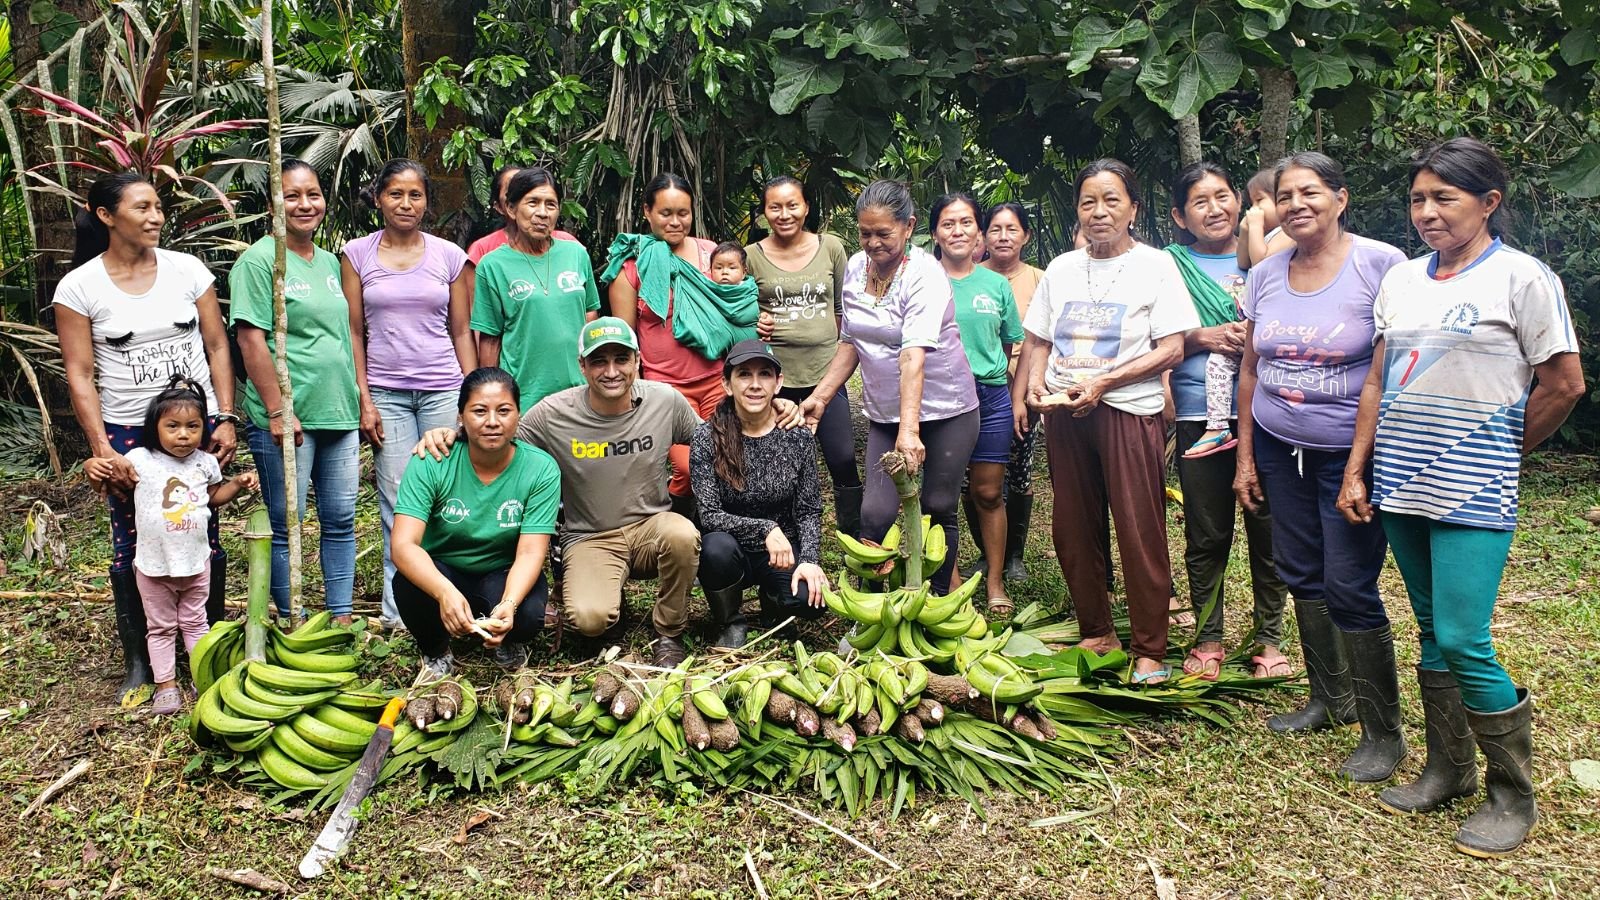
{"points": [[275, 415]]}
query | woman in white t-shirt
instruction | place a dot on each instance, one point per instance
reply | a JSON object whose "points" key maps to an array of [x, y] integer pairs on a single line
{"points": [[1448, 410], [130, 316], [1103, 325]]}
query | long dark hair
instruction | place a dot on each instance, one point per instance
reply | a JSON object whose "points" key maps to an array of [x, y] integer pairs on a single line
{"points": [[482, 377], [944, 203], [1010, 206], [1183, 186], [1472, 166], [181, 392], [727, 443], [92, 237]]}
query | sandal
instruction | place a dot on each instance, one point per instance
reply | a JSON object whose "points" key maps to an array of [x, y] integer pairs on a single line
{"points": [[1217, 443], [1207, 664], [1271, 667], [1154, 676], [1002, 606]]}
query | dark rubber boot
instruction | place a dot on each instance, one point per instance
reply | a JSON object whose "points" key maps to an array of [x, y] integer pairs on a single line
{"points": [[685, 506], [217, 599], [137, 682], [732, 630], [1332, 702], [1451, 771], [1502, 823], [847, 509], [969, 509], [1377, 689], [1019, 513]]}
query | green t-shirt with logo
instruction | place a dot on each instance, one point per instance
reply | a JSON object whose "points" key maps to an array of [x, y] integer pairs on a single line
{"points": [[536, 305], [986, 314], [474, 527], [322, 365]]}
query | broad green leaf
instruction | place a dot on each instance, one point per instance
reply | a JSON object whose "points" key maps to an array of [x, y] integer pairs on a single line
{"points": [[1579, 46], [798, 80], [1093, 34], [1579, 175], [1276, 7], [881, 39], [1315, 71], [1202, 71]]}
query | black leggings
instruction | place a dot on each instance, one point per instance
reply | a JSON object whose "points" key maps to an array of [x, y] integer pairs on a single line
{"points": [[834, 434], [949, 444], [724, 563], [483, 591]]}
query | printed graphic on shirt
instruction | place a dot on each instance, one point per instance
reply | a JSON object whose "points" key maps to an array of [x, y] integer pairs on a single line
{"points": [[1460, 318], [813, 300], [1088, 336], [569, 281], [178, 501], [603, 449], [1305, 363], [509, 515], [454, 511], [985, 304]]}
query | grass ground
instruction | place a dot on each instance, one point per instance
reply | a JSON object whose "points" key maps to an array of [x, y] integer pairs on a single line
{"points": [[1218, 812]]}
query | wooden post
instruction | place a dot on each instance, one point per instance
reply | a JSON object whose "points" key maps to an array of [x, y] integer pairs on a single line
{"points": [[280, 313]]}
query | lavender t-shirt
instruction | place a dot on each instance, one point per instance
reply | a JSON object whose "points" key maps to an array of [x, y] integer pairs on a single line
{"points": [[408, 333], [1315, 347], [918, 310]]}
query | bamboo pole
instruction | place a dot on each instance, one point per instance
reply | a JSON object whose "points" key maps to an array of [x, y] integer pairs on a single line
{"points": [[280, 313]]}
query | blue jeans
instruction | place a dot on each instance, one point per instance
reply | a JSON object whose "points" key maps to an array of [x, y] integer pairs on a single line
{"points": [[1319, 555], [330, 460], [406, 415], [1452, 574]]}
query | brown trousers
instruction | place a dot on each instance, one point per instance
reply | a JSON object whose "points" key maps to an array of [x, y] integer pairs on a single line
{"points": [[665, 546], [1116, 457]]}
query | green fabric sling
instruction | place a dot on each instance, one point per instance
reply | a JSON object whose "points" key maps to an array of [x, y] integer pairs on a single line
{"points": [[706, 317], [1213, 303]]}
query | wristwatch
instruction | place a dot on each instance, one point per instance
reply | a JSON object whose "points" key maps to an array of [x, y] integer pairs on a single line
{"points": [[226, 417]]}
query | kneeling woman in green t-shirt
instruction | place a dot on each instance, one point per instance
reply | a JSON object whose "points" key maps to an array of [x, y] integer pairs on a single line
{"points": [[471, 532]]}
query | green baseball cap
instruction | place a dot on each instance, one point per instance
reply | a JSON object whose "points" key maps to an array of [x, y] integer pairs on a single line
{"points": [[606, 330]]}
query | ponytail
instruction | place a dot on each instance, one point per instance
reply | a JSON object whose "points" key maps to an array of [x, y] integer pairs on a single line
{"points": [[727, 445], [92, 237]]}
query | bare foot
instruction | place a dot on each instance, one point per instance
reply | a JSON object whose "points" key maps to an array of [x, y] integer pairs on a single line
{"points": [[1101, 645], [343, 621]]}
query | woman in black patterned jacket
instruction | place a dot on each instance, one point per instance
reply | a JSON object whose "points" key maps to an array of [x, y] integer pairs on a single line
{"points": [[760, 501]]}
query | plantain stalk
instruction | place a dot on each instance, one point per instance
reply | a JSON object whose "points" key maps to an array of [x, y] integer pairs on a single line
{"points": [[905, 484], [258, 539]]}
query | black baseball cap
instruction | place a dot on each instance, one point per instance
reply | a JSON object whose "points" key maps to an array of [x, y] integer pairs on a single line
{"points": [[744, 351]]}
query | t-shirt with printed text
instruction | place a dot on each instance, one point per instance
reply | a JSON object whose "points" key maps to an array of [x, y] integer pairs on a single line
{"points": [[1315, 347], [474, 527], [1458, 362], [986, 314], [536, 305], [613, 468], [171, 509], [141, 341], [1100, 314], [322, 369], [805, 308]]}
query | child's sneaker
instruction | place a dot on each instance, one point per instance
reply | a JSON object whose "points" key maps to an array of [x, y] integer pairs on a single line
{"points": [[167, 702]]}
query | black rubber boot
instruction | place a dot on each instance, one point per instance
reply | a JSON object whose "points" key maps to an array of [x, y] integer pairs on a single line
{"points": [[1451, 771], [732, 630], [137, 681], [1019, 513], [969, 510], [685, 506], [1502, 823], [217, 599], [1332, 702], [1377, 690], [847, 509]]}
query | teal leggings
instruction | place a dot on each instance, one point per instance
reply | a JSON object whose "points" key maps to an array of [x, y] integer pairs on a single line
{"points": [[1452, 573]]}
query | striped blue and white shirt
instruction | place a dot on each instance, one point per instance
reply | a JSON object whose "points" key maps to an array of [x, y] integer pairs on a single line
{"points": [[1458, 364]]}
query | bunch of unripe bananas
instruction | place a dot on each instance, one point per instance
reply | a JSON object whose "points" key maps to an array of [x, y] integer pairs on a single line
{"points": [[885, 563], [298, 714]]}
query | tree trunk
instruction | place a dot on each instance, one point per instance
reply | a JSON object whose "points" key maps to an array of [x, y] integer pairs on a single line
{"points": [[430, 30], [52, 215], [1277, 95], [1189, 139]]}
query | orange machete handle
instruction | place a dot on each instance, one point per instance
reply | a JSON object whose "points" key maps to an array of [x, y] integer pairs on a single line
{"points": [[391, 712]]}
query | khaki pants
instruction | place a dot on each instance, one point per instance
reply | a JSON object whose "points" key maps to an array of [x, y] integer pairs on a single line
{"points": [[665, 546]]}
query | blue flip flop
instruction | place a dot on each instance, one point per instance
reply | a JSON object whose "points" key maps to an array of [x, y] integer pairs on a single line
{"points": [[1224, 440], [1164, 673]]}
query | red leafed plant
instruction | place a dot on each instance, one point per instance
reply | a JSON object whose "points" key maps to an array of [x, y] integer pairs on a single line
{"points": [[133, 127]]}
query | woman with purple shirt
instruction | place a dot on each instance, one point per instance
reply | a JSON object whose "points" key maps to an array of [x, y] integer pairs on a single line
{"points": [[1307, 349], [410, 312], [899, 326]]}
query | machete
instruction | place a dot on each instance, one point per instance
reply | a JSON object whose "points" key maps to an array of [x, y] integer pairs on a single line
{"points": [[341, 825]]}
